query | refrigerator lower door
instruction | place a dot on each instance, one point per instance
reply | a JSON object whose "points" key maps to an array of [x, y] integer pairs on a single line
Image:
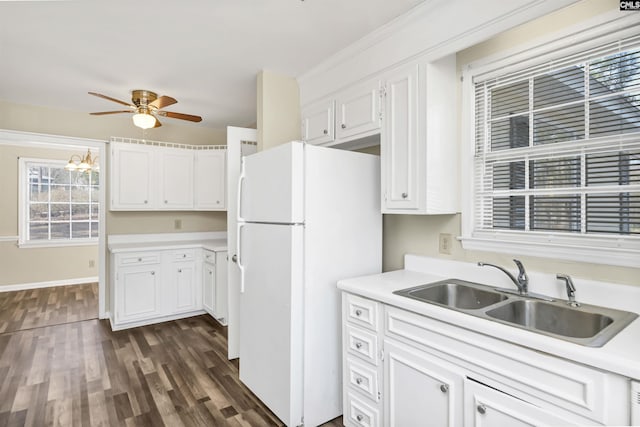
{"points": [[271, 313]]}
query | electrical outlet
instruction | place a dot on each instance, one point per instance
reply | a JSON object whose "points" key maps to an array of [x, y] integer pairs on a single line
{"points": [[445, 243], [92, 263], [177, 224]]}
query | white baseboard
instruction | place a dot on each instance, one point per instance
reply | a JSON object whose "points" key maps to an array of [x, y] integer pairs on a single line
{"points": [[50, 284], [144, 322]]}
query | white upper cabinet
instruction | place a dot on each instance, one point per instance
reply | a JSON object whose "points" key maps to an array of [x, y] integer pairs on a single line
{"points": [[147, 177], [176, 167], [358, 111], [418, 141], [132, 177], [210, 180], [318, 123]]}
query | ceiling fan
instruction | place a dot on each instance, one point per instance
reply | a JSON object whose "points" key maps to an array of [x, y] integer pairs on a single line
{"points": [[145, 107]]}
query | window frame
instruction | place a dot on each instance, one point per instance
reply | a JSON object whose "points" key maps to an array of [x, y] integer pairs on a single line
{"points": [[23, 209], [600, 249]]}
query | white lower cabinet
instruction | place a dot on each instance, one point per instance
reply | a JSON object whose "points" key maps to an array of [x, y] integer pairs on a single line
{"points": [[401, 369], [420, 389], [159, 285]]}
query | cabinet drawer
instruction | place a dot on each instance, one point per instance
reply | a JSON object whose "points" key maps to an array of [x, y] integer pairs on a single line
{"points": [[360, 413], [362, 377], [209, 256], [524, 373], [138, 258], [184, 255], [363, 344], [362, 312]]}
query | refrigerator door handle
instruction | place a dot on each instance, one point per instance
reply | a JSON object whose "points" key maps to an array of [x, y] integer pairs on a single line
{"points": [[239, 258], [240, 186]]}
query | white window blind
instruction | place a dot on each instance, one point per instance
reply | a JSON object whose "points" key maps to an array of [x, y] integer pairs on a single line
{"points": [[558, 148]]}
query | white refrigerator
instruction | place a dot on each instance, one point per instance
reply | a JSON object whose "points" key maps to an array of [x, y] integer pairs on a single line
{"points": [[308, 217]]}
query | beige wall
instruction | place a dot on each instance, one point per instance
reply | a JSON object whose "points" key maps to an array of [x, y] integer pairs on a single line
{"points": [[74, 262], [29, 265], [278, 109], [419, 234]]}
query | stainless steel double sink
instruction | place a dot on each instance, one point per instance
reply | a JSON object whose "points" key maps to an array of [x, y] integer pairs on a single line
{"points": [[587, 325]]}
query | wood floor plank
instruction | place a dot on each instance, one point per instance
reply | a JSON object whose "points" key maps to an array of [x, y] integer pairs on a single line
{"points": [[83, 374]]}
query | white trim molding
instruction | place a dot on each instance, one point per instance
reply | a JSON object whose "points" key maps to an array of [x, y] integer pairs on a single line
{"points": [[49, 284]]}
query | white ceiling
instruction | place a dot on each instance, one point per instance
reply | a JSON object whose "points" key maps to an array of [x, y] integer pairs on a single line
{"points": [[204, 53]]}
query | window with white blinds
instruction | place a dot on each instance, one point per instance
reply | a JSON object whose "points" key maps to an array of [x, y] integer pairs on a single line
{"points": [[557, 148]]}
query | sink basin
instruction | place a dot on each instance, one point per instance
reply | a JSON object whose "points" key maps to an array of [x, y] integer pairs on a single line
{"points": [[587, 325], [455, 293]]}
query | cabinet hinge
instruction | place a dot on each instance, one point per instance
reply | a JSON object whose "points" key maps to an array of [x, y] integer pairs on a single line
{"points": [[379, 396], [383, 91]]}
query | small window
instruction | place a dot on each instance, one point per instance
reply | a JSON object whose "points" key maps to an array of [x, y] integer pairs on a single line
{"points": [[59, 207], [557, 151]]}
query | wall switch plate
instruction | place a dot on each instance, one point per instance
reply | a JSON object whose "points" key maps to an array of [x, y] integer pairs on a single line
{"points": [[92, 263], [445, 242], [177, 224]]}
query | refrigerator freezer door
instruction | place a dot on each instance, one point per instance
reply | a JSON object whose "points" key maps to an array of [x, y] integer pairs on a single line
{"points": [[271, 185], [271, 327]]}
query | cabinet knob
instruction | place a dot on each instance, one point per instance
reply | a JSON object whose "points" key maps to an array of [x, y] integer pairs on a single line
{"points": [[358, 380], [146, 202], [325, 131], [153, 273], [179, 270], [358, 313], [405, 195], [359, 417], [358, 345], [139, 259], [217, 202], [210, 273], [166, 201], [234, 258], [444, 388], [482, 409], [184, 255], [343, 126]]}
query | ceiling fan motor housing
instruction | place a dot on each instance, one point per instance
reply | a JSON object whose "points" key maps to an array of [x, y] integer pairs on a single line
{"points": [[143, 97]]}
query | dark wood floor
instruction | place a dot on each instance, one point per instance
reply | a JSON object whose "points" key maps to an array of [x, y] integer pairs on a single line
{"points": [[35, 308], [83, 374]]}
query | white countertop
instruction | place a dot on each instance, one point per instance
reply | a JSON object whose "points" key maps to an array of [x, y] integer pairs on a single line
{"points": [[620, 355], [213, 241]]}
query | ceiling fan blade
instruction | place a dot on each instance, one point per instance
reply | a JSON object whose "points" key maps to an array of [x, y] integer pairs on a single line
{"points": [[180, 116], [99, 95], [158, 124], [163, 101], [102, 113]]}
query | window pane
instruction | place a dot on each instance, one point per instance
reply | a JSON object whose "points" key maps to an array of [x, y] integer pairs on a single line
{"points": [[38, 212], [617, 213], [95, 210], [60, 193], [559, 87], [80, 193], [616, 115], [554, 173], [95, 178], [95, 193], [614, 73], [512, 132], [511, 99], [509, 176], [94, 229], [555, 213], [558, 125], [80, 212], [508, 212], [613, 169], [80, 178], [60, 176], [38, 230], [60, 230], [80, 230], [60, 212]]}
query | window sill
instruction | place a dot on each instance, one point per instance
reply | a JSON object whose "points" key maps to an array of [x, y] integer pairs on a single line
{"points": [[57, 243], [557, 248]]}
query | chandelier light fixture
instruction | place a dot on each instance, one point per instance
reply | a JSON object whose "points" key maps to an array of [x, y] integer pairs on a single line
{"points": [[83, 164]]}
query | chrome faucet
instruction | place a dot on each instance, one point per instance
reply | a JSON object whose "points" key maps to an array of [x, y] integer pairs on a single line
{"points": [[522, 281], [571, 289]]}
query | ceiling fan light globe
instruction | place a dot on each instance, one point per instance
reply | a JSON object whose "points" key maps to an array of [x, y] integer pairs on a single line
{"points": [[144, 121], [71, 166]]}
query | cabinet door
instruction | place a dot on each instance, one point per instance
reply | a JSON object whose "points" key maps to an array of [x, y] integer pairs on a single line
{"points": [[221, 299], [185, 296], [208, 287], [132, 171], [358, 111], [176, 179], [210, 180], [138, 293], [318, 123], [399, 141], [420, 389], [488, 407]]}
